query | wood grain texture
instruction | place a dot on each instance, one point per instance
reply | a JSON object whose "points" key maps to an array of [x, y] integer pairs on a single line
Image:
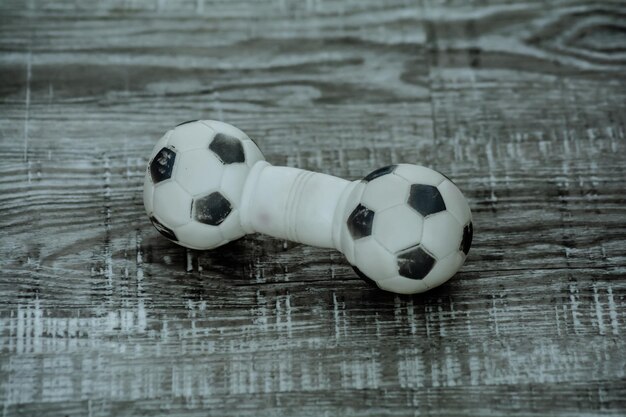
{"points": [[523, 104]]}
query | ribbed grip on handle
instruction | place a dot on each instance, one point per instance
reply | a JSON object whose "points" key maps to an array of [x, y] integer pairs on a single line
{"points": [[292, 204]]}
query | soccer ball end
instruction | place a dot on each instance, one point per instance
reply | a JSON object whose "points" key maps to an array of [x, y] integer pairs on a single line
{"points": [[194, 182], [407, 229]]}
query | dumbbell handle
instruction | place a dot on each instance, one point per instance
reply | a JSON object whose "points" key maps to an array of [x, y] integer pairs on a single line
{"points": [[294, 204]]}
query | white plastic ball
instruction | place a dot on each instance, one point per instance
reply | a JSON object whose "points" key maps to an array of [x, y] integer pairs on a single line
{"points": [[406, 229], [194, 183]]}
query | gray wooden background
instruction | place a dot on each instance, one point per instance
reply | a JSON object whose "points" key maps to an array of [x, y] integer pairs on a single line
{"points": [[522, 103]]}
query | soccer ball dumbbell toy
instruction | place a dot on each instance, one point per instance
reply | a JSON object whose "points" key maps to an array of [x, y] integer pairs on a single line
{"points": [[405, 228]]}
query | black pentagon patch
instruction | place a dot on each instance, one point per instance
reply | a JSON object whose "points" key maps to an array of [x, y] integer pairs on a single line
{"points": [[212, 209], [184, 123], [415, 263], [364, 277], [228, 148], [425, 199], [360, 222], [468, 234], [162, 165], [164, 230], [379, 172]]}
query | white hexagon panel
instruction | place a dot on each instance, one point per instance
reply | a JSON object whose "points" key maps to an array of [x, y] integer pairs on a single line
{"points": [[444, 269], [226, 129], [417, 174], [385, 191], [402, 285], [253, 153], [398, 228], [455, 202], [231, 227], [191, 135], [442, 234], [232, 182], [172, 204], [374, 261], [199, 236], [198, 171]]}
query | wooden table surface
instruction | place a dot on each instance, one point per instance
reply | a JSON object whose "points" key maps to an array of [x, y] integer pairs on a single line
{"points": [[522, 104]]}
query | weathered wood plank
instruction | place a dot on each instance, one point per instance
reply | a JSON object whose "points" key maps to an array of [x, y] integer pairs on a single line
{"points": [[522, 104]]}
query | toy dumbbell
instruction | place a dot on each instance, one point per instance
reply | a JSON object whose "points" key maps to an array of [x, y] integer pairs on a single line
{"points": [[405, 228]]}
